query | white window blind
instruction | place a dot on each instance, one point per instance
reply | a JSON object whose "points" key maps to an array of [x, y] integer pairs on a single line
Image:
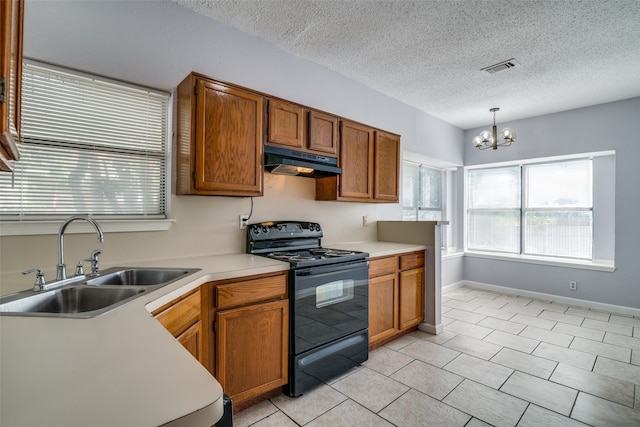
{"points": [[90, 145]]}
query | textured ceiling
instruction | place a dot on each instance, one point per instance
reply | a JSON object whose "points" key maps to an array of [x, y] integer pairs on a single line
{"points": [[429, 53]]}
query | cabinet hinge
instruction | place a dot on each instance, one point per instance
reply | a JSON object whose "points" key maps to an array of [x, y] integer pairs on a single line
{"points": [[193, 176], [195, 90], [3, 89], [213, 326]]}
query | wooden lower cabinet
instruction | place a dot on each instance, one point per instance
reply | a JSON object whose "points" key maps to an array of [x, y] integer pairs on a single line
{"points": [[252, 345], [396, 296], [182, 317]]}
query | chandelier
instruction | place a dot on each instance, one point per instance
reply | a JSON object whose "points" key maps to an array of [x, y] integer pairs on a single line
{"points": [[488, 139]]}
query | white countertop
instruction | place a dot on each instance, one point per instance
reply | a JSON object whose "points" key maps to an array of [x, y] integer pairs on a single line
{"points": [[123, 368], [118, 369]]}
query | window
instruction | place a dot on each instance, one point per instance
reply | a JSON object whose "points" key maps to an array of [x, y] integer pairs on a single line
{"points": [[90, 145], [543, 209], [422, 190]]}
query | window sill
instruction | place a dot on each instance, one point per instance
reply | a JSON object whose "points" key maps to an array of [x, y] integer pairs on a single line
{"points": [[598, 265], [28, 228]]}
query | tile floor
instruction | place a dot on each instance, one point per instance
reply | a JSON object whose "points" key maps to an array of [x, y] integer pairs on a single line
{"points": [[503, 360]]}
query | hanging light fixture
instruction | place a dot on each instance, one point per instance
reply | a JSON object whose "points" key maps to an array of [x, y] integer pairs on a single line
{"points": [[488, 139]]}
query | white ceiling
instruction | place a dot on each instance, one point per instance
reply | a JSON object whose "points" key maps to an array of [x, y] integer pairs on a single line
{"points": [[429, 53]]}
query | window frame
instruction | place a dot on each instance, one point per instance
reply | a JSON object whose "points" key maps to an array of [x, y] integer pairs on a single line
{"points": [[48, 224], [602, 245], [443, 188]]}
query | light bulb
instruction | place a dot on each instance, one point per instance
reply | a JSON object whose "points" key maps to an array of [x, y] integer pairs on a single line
{"points": [[477, 141], [508, 135], [486, 136]]}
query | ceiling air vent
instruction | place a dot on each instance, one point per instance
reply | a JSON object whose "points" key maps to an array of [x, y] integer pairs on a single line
{"points": [[500, 66]]}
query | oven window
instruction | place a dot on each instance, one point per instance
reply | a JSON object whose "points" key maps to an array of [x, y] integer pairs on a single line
{"points": [[334, 292]]}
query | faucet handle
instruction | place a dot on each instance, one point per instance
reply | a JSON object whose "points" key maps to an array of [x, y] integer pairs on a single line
{"points": [[94, 262], [40, 281]]}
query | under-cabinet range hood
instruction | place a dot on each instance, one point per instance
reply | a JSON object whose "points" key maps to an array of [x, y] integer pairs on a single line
{"points": [[291, 162]]}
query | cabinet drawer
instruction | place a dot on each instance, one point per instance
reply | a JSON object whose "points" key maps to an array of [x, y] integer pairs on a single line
{"points": [[250, 291], [380, 266], [412, 260], [179, 316]]}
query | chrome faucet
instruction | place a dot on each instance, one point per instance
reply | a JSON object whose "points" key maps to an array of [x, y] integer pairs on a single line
{"points": [[61, 268]]}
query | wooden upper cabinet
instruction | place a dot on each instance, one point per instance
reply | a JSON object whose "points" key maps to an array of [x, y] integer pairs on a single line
{"points": [[286, 125], [219, 138], [323, 133], [11, 28], [387, 167], [356, 160]]}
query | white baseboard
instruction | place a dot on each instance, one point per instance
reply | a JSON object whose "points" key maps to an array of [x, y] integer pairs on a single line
{"points": [[432, 329], [619, 309]]}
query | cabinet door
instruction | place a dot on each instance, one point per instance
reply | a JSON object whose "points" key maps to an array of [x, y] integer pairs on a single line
{"points": [[286, 124], [323, 133], [387, 167], [356, 160], [11, 19], [383, 307], [252, 347], [228, 155], [191, 339], [411, 297]]}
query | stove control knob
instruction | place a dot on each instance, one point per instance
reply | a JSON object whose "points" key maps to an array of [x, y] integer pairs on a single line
{"points": [[265, 230], [255, 230]]}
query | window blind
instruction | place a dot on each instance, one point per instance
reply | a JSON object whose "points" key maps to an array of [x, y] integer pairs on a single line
{"points": [[90, 145]]}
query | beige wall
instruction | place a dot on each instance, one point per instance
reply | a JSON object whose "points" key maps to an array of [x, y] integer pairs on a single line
{"points": [[203, 225]]}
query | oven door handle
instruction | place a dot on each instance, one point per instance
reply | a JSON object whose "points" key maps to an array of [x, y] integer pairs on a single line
{"points": [[332, 268]]}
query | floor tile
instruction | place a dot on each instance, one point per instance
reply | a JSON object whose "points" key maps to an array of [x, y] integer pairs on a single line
{"points": [[483, 293], [486, 404], [277, 419], [545, 335], [536, 416], [549, 306], [544, 393], [603, 413], [487, 373], [502, 325], [462, 305], [608, 327], [475, 347], [564, 355], [625, 320], [447, 320], [254, 414], [515, 342], [579, 331], [465, 316], [637, 403], [585, 312], [372, 390], [431, 353], [415, 409], [561, 317], [599, 385], [459, 296], [486, 302], [494, 312], [636, 332], [620, 370], [428, 379], [635, 357], [522, 309], [538, 366], [348, 414], [601, 349], [386, 361], [468, 329], [401, 342], [622, 340], [477, 423], [533, 321], [310, 405], [436, 339], [511, 299]]}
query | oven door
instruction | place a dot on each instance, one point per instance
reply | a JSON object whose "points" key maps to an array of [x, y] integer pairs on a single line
{"points": [[328, 302]]}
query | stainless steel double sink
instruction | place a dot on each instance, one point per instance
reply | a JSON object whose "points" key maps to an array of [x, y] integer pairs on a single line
{"points": [[84, 296]]}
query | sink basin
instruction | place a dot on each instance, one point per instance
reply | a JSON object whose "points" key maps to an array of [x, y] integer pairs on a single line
{"points": [[139, 276], [75, 301]]}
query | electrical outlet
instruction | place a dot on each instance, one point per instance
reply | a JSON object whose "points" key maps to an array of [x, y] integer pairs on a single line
{"points": [[365, 221], [243, 221], [573, 285]]}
